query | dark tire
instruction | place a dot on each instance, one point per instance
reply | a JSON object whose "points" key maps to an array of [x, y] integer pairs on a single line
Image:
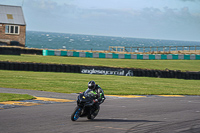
{"points": [[76, 114], [93, 115]]}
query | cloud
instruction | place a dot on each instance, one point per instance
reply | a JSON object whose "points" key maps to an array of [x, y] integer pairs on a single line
{"points": [[150, 22], [191, 0], [145, 14], [52, 9]]}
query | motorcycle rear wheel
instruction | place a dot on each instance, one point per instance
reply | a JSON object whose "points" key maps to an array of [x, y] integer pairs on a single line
{"points": [[76, 114], [93, 115]]}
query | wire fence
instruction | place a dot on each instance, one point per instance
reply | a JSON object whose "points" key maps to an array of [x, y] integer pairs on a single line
{"points": [[155, 49]]}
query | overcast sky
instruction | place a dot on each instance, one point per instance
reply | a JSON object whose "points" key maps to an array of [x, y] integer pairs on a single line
{"points": [[154, 19]]}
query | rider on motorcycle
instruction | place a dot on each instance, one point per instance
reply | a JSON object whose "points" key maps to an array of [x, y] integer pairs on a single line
{"points": [[98, 91]]}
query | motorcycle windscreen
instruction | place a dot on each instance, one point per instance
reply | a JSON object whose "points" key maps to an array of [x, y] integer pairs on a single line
{"points": [[89, 93]]}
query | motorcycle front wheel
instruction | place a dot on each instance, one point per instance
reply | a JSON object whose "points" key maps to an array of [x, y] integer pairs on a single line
{"points": [[76, 114]]}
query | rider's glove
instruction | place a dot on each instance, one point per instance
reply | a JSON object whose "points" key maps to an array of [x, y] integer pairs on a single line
{"points": [[95, 100]]}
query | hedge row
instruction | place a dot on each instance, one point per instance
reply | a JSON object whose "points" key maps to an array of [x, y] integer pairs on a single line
{"points": [[19, 51], [26, 66], [10, 51], [167, 74], [147, 73], [31, 51]]}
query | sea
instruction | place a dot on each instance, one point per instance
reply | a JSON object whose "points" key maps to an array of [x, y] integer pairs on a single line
{"points": [[50, 40]]}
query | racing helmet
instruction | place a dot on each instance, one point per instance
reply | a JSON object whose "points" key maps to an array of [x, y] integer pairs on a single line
{"points": [[91, 85]]}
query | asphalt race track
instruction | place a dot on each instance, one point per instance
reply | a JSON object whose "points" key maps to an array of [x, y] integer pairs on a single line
{"points": [[154, 114]]}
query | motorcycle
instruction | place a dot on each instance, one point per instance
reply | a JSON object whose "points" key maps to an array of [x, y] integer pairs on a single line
{"points": [[85, 106]]}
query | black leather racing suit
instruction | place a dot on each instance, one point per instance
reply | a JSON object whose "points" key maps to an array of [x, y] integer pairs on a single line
{"points": [[99, 96]]}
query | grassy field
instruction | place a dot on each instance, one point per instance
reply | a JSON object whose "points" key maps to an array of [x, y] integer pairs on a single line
{"points": [[14, 97], [119, 85], [113, 85], [183, 65]]}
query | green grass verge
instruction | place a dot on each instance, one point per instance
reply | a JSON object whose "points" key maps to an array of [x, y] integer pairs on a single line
{"points": [[183, 65], [14, 97], [111, 84]]}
